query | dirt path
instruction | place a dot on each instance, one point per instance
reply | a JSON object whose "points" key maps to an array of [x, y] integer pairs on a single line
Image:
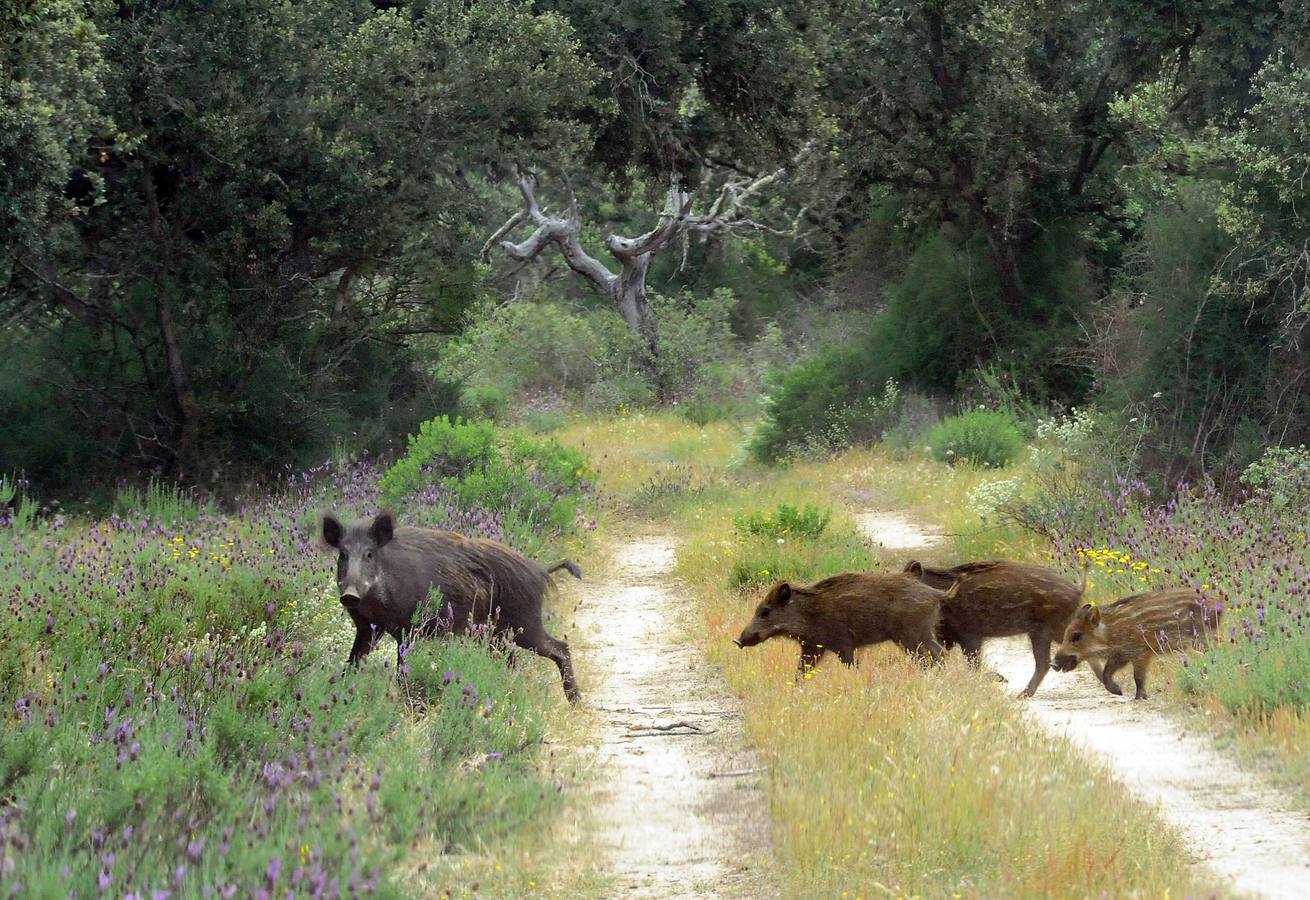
{"points": [[1230, 818], [681, 808]]}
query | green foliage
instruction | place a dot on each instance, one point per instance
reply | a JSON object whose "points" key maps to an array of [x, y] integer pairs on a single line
{"points": [[54, 70], [590, 358], [803, 400], [17, 509], [1194, 364], [673, 77], [537, 486], [510, 354], [761, 561], [1281, 476], [253, 259], [695, 341], [981, 437], [165, 502], [785, 521]]}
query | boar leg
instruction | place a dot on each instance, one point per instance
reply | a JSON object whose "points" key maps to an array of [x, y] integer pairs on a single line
{"points": [[972, 647], [1042, 657], [1140, 665], [810, 655], [923, 648], [1113, 664], [539, 642], [365, 637]]}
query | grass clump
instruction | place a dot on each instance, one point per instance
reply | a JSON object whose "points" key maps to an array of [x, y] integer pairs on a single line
{"points": [[980, 437], [786, 520]]}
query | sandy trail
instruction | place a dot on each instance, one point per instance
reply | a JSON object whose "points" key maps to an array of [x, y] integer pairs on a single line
{"points": [[681, 807], [1229, 816]]}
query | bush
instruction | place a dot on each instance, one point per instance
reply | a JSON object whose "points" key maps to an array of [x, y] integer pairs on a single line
{"points": [[591, 358], [535, 485], [981, 437], [758, 561], [785, 521], [1281, 476], [805, 404]]}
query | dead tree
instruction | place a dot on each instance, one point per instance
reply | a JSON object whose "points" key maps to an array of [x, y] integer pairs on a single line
{"points": [[626, 287]]}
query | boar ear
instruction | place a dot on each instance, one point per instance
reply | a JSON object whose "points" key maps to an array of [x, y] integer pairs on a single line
{"points": [[331, 530], [1093, 615], [915, 568], [782, 594], [383, 527]]}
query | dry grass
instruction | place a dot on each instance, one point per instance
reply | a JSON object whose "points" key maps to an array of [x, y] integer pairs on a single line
{"points": [[885, 779]]}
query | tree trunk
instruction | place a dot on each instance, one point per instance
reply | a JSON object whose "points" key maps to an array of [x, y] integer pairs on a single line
{"points": [[1004, 248], [629, 295], [185, 438], [184, 434]]}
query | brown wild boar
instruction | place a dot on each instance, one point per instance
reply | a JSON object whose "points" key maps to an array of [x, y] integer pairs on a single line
{"points": [[385, 573], [997, 598], [848, 611], [1134, 630]]}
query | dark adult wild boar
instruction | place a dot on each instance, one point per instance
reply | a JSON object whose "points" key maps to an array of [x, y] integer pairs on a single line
{"points": [[848, 611], [997, 599], [385, 573], [1134, 630]]}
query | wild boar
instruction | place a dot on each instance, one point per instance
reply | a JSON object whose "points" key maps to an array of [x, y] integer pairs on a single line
{"points": [[848, 611], [1134, 630], [385, 574], [997, 598]]}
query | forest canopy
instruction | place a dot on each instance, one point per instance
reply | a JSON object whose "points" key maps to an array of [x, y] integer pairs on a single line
{"points": [[234, 237]]}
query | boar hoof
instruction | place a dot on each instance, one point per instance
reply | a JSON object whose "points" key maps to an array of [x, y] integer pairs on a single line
{"points": [[997, 677], [1140, 695], [1114, 689]]}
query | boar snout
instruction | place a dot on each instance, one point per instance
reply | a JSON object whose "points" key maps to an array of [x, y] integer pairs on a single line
{"points": [[1064, 662], [350, 598]]}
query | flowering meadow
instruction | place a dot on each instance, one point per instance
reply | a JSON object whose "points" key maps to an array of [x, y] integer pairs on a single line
{"points": [[178, 721], [1251, 553]]}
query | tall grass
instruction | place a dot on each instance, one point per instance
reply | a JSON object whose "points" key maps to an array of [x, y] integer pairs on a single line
{"points": [[177, 718], [885, 779], [1252, 685]]}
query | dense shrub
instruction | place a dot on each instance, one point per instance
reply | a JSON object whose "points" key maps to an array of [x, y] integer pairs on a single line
{"points": [[979, 436], [821, 404], [1281, 476], [535, 485], [784, 521], [589, 358], [1190, 354]]}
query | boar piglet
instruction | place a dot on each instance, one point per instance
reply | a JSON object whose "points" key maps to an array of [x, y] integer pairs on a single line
{"points": [[997, 598], [848, 611], [1134, 630], [385, 573]]}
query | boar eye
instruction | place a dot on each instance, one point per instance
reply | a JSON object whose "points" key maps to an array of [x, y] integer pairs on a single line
{"points": [[368, 555], [764, 612], [1076, 637]]}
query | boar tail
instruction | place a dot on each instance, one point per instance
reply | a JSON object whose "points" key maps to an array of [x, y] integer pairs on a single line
{"points": [[566, 564]]}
